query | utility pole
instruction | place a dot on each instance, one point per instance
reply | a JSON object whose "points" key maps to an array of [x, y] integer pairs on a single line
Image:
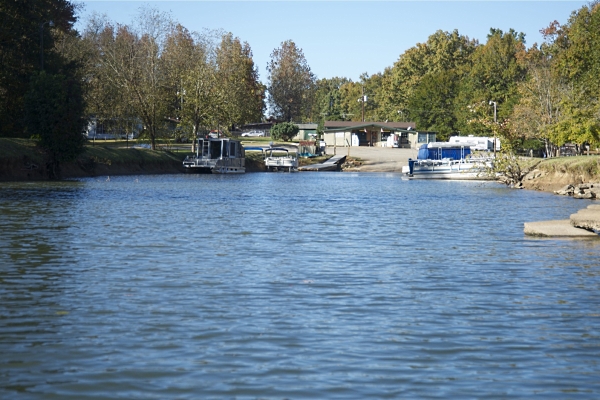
{"points": [[494, 104], [363, 99]]}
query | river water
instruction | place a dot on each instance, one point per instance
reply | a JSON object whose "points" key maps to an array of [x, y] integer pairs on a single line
{"points": [[307, 285]]}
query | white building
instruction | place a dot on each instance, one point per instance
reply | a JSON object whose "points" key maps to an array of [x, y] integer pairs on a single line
{"points": [[480, 143]]}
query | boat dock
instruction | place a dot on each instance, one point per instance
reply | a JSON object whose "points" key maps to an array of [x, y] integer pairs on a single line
{"points": [[332, 164]]}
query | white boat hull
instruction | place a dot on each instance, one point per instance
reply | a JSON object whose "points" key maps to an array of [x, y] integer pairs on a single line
{"points": [[448, 169], [274, 162], [225, 166]]}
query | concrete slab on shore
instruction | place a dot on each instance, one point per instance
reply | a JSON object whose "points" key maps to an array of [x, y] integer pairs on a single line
{"points": [[556, 228], [332, 164], [588, 218]]}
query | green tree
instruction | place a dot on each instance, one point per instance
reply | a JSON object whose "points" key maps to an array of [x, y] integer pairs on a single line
{"points": [[575, 50], [372, 85], [23, 25], [493, 76], [431, 103], [496, 71], [54, 113], [327, 99], [443, 51], [290, 83], [354, 95], [350, 94], [284, 131]]}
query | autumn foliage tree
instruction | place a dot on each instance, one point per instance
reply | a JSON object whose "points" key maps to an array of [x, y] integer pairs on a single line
{"points": [[290, 82], [162, 75], [575, 49], [238, 77]]}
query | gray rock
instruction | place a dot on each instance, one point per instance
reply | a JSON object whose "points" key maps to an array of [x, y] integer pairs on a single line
{"points": [[585, 196], [566, 191]]}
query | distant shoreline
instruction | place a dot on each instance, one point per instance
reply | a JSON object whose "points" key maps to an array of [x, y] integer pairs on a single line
{"points": [[21, 160]]}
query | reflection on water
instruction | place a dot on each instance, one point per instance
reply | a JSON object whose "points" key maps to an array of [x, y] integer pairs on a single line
{"points": [[292, 285]]}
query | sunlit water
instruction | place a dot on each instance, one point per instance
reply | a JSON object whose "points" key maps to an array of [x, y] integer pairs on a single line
{"points": [[307, 285]]}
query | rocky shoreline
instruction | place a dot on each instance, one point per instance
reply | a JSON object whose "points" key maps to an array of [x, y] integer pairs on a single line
{"points": [[587, 191], [583, 224]]}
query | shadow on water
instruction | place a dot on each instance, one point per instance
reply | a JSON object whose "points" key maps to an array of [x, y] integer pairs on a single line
{"points": [[35, 243]]}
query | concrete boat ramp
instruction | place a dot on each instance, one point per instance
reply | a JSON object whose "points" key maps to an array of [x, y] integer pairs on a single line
{"points": [[332, 164], [582, 224]]}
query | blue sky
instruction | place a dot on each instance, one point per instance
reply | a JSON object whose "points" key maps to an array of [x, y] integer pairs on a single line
{"points": [[346, 38]]}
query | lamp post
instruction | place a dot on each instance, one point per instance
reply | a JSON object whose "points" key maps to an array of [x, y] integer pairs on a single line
{"points": [[495, 105], [51, 24]]}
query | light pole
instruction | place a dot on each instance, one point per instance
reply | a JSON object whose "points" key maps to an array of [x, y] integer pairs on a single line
{"points": [[362, 100], [51, 24], [494, 103]]}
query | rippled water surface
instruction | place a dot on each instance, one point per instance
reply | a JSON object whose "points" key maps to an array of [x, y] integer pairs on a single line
{"points": [[308, 285]]}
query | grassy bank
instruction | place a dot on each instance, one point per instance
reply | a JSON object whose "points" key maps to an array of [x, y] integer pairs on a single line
{"points": [[21, 159], [581, 165]]}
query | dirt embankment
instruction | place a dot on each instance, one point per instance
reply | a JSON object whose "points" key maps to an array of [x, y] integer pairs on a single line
{"points": [[551, 175], [22, 169], [552, 181]]}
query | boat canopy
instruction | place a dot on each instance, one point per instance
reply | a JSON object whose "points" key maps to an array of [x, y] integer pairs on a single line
{"points": [[277, 149], [440, 150]]}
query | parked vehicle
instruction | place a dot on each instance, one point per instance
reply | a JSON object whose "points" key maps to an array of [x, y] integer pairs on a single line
{"points": [[253, 134]]}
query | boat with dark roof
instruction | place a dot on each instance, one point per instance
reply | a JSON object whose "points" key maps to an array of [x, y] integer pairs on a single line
{"points": [[217, 156]]}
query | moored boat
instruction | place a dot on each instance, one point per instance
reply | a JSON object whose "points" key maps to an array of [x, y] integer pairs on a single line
{"points": [[280, 159], [217, 156], [448, 161]]}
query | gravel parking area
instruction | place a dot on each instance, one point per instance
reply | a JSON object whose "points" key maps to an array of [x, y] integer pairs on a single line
{"points": [[377, 159]]}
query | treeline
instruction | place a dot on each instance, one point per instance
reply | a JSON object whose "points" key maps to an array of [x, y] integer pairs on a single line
{"points": [[545, 95], [158, 75]]}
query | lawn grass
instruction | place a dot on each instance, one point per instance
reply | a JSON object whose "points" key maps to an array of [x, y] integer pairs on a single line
{"points": [[105, 152], [108, 155], [18, 148], [589, 165]]}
